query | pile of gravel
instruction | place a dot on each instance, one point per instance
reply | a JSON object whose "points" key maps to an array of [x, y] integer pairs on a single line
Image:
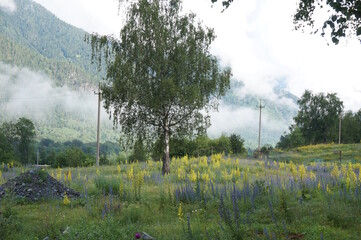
{"points": [[34, 185]]}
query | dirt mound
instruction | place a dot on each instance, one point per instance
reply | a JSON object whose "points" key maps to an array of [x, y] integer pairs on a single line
{"points": [[34, 185]]}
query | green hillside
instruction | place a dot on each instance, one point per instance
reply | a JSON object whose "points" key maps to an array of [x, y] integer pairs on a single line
{"points": [[320, 153], [33, 37]]}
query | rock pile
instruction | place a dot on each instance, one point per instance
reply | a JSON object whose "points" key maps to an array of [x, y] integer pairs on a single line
{"points": [[34, 185]]}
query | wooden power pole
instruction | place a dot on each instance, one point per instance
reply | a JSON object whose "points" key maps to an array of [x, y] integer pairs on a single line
{"points": [[339, 128], [98, 126], [259, 128]]}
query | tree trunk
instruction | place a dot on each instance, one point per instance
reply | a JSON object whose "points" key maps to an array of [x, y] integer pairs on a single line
{"points": [[166, 158]]}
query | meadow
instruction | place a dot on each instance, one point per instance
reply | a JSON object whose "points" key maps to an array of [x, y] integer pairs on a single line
{"points": [[217, 197]]}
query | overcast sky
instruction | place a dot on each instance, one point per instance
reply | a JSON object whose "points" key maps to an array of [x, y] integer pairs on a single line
{"points": [[256, 38]]}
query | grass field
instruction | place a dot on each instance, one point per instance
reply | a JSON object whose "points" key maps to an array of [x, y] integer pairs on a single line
{"points": [[202, 198]]}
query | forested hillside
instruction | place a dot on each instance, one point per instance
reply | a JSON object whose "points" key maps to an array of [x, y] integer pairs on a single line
{"points": [[33, 37]]}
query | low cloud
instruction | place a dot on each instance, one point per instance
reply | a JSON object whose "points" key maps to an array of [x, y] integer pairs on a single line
{"points": [[8, 5], [33, 95]]}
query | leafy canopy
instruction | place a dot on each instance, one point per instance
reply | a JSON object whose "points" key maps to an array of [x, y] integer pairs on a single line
{"points": [[317, 115], [343, 16], [161, 78]]}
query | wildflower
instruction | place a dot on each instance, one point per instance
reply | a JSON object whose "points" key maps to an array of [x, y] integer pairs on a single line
{"points": [[293, 169], [192, 176], [121, 188], [301, 171], [180, 212], [319, 185], [69, 177], [205, 177], [343, 170], [119, 169], [12, 164], [58, 173], [66, 200], [181, 173], [335, 172], [97, 172], [312, 176], [138, 236], [359, 174], [282, 165], [131, 173], [328, 190]]}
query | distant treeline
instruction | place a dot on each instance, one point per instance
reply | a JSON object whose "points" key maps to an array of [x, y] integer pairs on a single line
{"points": [[18, 145], [201, 146], [318, 121]]}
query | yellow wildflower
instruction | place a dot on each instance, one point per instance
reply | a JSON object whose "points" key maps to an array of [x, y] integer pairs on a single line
{"points": [[66, 200], [70, 179], [192, 176], [312, 176], [119, 169], [301, 171], [180, 212], [205, 177], [58, 173], [328, 189], [335, 172]]}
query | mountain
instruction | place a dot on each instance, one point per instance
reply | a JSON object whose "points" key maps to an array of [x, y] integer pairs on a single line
{"points": [[46, 75], [33, 37]]}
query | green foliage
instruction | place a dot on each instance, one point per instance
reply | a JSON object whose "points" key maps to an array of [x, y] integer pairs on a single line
{"points": [[20, 136], [200, 146], [317, 116], [9, 222], [343, 20], [139, 152], [351, 127], [75, 153], [107, 185], [160, 75], [6, 149], [292, 139], [237, 143], [26, 135]]}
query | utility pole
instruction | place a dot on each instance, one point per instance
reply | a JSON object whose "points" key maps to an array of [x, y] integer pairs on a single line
{"points": [[98, 127], [339, 128], [259, 128]]}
